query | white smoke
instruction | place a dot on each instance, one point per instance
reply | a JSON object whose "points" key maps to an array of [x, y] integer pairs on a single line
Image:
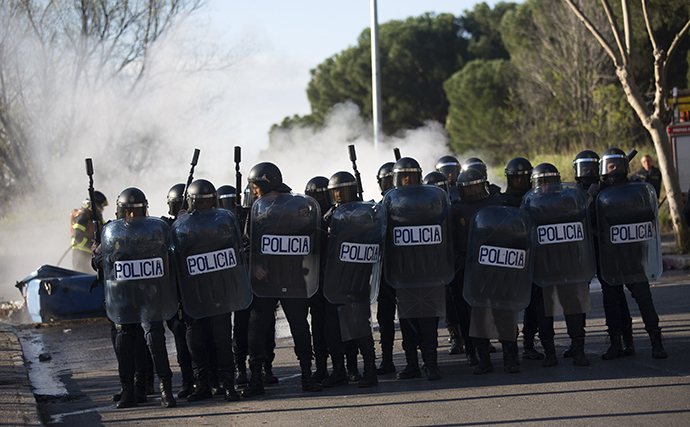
{"points": [[146, 137]]}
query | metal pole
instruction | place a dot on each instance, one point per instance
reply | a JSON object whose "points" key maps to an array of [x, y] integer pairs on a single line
{"points": [[375, 76]]}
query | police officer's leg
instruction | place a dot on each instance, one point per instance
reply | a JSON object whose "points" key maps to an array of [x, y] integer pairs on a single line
{"points": [[366, 347], [184, 358], [336, 345], [484, 352], [614, 307], [154, 332], [429, 345], [142, 359], [269, 378], [411, 338], [534, 313], [464, 317], [454, 292], [124, 350], [351, 353], [546, 334], [221, 329], [643, 296], [240, 343], [317, 308], [386, 319], [198, 348], [575, 324], [296, 311], [262, 312]]}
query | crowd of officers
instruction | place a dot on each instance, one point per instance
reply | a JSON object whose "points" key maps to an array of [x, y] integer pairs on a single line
{"points": [[215, 349]]}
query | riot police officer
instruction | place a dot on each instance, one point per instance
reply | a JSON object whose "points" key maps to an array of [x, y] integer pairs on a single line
{"points": [[131, 210], [317, 188], [266, 181], [203, 325], [474, 196], [342, 190], [385, 314], [555, 206], [477, 163], [177, 324], [518, 177], [450, 167], [613, 170], [415, 285], [227, 197]]}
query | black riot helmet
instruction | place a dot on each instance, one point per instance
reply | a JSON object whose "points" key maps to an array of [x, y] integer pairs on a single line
{"points": [[227, 197], [406, 171], [202, 195], [476, 163], [175, 196], [342, 188], [438, 179], [586, 167], [100, 201], [545, 173], [131, 202], [518, 172], [450, 167], [613, 166], [317, 188], [472, 186], [267, 177], [385, 177]]}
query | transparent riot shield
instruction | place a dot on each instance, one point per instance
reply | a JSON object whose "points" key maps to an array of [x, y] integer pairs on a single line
{"points": [[427, 301], [572, 298], [354, 321], [498, 270], [628, 232], [419, 247], [139, 286], [211, 264], [493, 323], [355, 253], [284, 255], [564, 252]]}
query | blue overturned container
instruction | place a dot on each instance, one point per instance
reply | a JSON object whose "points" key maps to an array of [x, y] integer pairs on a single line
{"points": [[53, 293]]}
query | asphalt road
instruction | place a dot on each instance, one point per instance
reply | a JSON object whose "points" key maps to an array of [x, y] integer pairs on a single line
{"points": [[74, 386]]}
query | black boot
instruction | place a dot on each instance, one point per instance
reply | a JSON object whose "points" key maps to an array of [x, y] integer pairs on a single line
{"points": [[269, 378], [241, 366], [456, 341], [579, 356], [369, 379], [256, 382], [411, 370], [431, 361], [117, 396], [308, 383], [167, 398], [627, 338], [528, 350], [615, 349], [352, 370], [485, 365], [658, 351], [140, 389], [338, 375], [550, 358], [568, 352], [127, 398], [202, 388], [471, 353], [228, 379], [387, 366], [216, 388], [321, 372], [510, 354], [187, 385]]}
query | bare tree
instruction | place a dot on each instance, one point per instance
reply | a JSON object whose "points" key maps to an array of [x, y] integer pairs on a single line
{"points": [[655, 117], [88, 43]]}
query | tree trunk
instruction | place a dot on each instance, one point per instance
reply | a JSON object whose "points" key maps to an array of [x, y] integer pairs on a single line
{"points": [[662, 144]]}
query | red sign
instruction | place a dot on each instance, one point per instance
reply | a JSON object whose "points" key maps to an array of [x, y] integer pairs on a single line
{"points": [[677, 130]]}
